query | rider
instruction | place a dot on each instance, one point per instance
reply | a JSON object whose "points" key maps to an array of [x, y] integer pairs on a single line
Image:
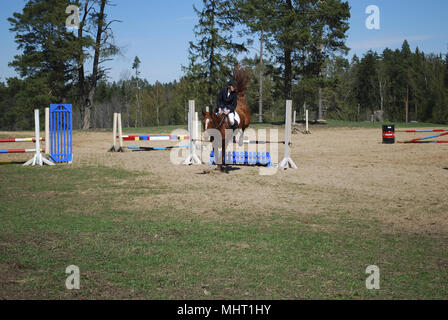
{"points": [[227, 101]]}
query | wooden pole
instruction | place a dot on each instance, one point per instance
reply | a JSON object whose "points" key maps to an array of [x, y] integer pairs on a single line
{"points": [[114, 142], [47, 131], [306, 122], [196, 127], [117, 127], [120, 132], [192, 157]]}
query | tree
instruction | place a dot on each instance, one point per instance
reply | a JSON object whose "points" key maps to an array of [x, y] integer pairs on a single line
{"points": [[103, 48], [367, 82], [329, 24], [254, 14], [288, 35], [135, 66], [212, 56], [253, 94], [47, 61], [53, 58]]}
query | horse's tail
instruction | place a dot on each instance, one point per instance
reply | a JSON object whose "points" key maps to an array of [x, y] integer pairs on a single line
{"points": [[241, 76]]}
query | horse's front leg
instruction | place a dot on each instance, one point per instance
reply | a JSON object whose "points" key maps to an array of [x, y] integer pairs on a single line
{"points": [[223, 154], [241, 139]]}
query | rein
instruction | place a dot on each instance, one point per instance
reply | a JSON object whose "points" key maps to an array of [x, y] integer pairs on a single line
{"points": [[220, 123]]}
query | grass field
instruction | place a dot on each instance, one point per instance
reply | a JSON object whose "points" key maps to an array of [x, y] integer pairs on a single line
{"points": [[147, 233]]}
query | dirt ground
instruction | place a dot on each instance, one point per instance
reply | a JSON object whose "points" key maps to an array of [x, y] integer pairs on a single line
{"points": [[341, 171]]}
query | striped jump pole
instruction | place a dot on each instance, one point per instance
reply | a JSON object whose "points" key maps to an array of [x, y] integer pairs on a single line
{"points": [[435, 141], [154, 138], [156, 148], [46, 138], [418, 140], [118, 134], [428, 130], [20, 150], [21, 140]]}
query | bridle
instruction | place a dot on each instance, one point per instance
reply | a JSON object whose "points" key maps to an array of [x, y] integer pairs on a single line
{"points": [[212, 120]]}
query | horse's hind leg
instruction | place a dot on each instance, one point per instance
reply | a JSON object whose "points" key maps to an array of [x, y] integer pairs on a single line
{"points": [[241, 139]]}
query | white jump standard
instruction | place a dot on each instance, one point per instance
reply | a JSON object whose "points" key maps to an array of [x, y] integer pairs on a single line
{"points": [[287, 161], [38, 159], [192, 158]]}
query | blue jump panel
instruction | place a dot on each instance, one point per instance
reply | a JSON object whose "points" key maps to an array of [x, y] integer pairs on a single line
{"points": [[61, 133]]}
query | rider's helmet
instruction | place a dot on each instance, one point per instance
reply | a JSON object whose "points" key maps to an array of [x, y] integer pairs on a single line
{"points": [[231, 83]]}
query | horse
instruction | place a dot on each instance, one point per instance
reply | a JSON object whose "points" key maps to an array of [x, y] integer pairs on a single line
{"points": [[221, 122]]}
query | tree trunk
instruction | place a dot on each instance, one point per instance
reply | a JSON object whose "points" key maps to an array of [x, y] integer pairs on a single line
{"points": [[416, 112], [212, 76], [81, 76], [320, 112], [288, 61], [381, 93], [157, 104], [88, 110], [139, 110], [89, 101], [407, 104]]}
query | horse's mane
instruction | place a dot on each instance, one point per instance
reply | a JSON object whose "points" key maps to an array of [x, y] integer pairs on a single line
{"points": [[241, 76]]}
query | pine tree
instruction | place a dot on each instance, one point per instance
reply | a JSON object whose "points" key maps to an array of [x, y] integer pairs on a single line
{"points": [[329, 24], [212, 56], [48, 50], [103, 48], [288, 36], [367, 88], [138, 115], [255, 16]]}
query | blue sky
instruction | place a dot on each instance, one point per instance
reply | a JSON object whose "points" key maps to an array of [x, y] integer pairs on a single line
{"points": [[158, 31]]}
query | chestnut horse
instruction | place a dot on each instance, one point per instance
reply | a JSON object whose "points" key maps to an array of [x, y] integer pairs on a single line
{"points": [[221, 122]]}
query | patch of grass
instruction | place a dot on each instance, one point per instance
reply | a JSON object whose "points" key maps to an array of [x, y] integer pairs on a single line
{"points": [[57, 217]]}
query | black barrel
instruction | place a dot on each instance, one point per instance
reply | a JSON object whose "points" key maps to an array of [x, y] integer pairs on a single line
{"points": [[389, 133]]}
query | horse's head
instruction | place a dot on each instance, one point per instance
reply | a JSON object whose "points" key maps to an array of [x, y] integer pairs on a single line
{"points": [[210, 120], [206, 120]]}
